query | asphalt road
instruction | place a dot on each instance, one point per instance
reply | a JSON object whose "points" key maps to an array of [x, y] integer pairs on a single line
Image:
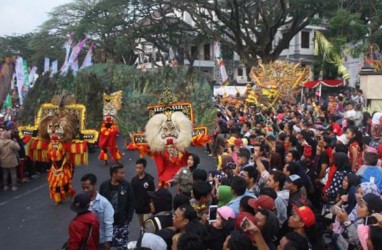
{"points": [[30, 220]]}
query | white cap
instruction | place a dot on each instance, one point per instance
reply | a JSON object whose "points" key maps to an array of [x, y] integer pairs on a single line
{"points": [[343, 139], [296, 129]]}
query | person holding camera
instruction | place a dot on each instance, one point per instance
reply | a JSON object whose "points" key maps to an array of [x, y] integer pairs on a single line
{"points": [[368, 205]]}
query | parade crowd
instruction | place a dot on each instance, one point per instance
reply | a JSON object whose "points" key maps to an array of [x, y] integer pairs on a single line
{"points": [[296, 176]]}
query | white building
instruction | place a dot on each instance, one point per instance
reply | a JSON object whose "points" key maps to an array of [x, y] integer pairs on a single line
{"points": [[301, 48]]}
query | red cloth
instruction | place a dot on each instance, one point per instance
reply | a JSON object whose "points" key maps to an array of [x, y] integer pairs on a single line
{"points": [[337, 130], [332, 171], [168, 166], [78, 230], [355, 146]]}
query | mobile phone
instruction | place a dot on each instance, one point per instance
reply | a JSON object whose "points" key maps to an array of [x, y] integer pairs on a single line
{"points": [[244, 223], [212, 212], [370, 220]]}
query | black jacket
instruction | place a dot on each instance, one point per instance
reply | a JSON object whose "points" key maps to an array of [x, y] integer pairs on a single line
{"points": [[140, 188], [124, 205]]}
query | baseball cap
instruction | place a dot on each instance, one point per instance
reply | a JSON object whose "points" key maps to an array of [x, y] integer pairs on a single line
{"points": [[240, 217], [226, 213], [80, 203], [306, 214], [295, 179], [264, 201], [373, 202]]}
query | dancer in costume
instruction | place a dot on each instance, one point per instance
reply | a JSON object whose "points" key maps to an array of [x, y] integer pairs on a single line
{"points": [[109, 130], [60, 138], [167, 135]]}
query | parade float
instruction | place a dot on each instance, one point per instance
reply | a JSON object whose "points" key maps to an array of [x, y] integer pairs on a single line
{"points": [[59, 137], [168, 133]]}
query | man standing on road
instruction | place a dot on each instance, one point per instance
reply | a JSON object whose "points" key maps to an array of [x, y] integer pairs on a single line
{"points": [[141, 183], [101, 207], [120, 194]]}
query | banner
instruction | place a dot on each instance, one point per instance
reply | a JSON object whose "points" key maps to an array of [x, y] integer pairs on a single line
{"points": [[74, 67], [67, 47], [20, 77], [54, 68], [171, 58], [74, 55], [32, 74], [26, 77], [46, 64], [220, 64], [88, 58], [8, 102]]}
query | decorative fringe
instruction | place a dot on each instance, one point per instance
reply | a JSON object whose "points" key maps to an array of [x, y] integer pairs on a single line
{"points": [[103, 156]]}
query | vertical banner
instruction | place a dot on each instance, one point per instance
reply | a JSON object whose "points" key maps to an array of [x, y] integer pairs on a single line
{"points": [[74, 67], [220, 64], [32, 74], [46, 64], [67, 47], [54, 68], [88, 58], [26, 77], [20, 77], [74, 55], [171, 58]]}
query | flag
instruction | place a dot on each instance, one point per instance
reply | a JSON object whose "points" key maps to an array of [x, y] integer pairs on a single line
{"points": [[220, 63], [26, 77], [46, 64], [171, 58], [8, 102], [74, 55], [54, 68], [74, 67], [32, 74], [88, 58], [67, 47], [20, 77]]}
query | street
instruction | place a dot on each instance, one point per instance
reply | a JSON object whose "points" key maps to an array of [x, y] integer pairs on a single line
{"points": [[30, 220]]}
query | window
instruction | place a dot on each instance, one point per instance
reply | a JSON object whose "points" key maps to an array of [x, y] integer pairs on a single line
{"points": [[305, 39], [194, 52], [207, 55], [240, 72]]}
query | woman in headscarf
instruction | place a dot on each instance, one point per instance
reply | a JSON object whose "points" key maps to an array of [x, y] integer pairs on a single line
{"points": [[342, 164], [183, 177], [363, 189], [346, 195]]}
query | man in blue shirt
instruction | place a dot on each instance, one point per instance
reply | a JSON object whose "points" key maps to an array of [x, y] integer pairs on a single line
{"points": [[370, 172], [239, 189], [102, 208]]}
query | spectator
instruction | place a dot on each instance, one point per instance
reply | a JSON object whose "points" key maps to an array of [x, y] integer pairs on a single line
{"points": [[120, 194], [161, 206], [183, 177], [102, 208], [84, 228], [9, 159], [141, 184]]}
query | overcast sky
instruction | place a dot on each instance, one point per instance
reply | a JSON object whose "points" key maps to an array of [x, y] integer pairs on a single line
{"points": [[23, 16]]}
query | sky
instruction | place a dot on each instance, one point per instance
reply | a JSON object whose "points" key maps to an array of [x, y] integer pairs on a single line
{"points": [[23, 16]]}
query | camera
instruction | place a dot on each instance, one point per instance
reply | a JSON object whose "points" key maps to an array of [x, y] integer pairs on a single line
{"points": [[231, 165]]}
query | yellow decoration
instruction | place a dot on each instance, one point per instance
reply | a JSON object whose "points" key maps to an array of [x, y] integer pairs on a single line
{"points": [[275, 80]]}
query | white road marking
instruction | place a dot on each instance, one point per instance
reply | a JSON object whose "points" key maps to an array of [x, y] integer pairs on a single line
{"points": [[23, 194]]}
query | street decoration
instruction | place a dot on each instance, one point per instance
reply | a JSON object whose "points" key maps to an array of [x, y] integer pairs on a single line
{"points": [[275, 81], [59, 137], [168, 134]]}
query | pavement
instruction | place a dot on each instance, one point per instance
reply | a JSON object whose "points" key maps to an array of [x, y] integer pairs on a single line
{"points": [[29, 213]]}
